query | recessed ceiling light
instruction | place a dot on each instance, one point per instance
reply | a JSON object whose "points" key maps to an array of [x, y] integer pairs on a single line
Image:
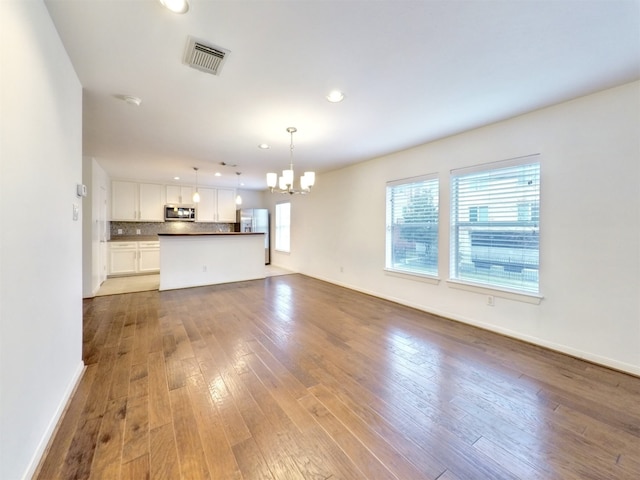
{"points": [[176, 6], [218, 174], [264, 146], [335, 96], [176, 178], [131, 100]]}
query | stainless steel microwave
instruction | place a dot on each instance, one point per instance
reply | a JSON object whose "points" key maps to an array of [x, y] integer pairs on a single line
{"points": [[179, 213]]}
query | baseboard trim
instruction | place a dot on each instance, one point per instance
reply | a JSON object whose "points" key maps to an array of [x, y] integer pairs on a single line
{"points": [[49, 434]]}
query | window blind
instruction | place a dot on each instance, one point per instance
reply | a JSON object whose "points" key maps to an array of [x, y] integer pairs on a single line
{"points": [[495, 218], [412, 225]]}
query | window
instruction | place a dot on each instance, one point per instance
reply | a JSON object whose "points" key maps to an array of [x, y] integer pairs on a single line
{"points": [[412, 225], [495, 229], [479, 214], [283, 227]]}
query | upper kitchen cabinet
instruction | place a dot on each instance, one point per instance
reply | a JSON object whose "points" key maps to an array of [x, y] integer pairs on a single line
{"points": [[226, 205], [137, 202], [207, 209], [216, 205], [179, 194]]}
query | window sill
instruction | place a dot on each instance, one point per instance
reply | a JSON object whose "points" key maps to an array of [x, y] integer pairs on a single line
{"points": [[531, 298], [419, 277]]}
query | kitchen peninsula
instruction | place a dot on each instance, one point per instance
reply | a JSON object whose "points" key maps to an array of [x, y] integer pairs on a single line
{"points": [[196, 259]]}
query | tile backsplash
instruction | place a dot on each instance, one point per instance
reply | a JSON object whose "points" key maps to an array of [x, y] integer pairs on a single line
{"points": [[121, 229]]}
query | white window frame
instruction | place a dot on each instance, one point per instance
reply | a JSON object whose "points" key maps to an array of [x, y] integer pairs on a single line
{"points": [[503, 191], [424, 264], [283, 227]]}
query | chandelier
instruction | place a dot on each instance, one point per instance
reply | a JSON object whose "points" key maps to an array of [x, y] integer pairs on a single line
{"points": [[284, 183]]}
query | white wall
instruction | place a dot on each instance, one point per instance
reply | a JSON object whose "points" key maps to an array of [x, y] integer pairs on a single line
{"points": [[589, 232], [40, 247], [251, 199]]}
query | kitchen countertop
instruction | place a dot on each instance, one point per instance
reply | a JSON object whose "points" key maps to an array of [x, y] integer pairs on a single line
{"points": [[134, 238]]}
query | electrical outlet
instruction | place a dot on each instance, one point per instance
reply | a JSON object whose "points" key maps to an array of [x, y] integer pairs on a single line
{"points": [[491, 301], [137, 231], [119, 231]]}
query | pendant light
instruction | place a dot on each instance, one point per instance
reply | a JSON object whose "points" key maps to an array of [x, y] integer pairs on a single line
{"points": [[285, 182], [238, 197], [196, 195], [176, 6]]}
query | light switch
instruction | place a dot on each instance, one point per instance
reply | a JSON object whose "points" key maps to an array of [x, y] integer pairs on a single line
{"points": [[76, 212]]}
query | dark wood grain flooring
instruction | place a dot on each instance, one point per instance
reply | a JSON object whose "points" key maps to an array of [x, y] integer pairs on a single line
{"points": [[293, 378]]}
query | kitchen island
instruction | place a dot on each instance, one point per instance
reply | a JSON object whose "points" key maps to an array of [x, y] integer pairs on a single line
{"points": [[196, 259]]}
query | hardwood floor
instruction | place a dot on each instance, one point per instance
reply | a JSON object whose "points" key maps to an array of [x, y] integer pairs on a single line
{"points": [[293, 378]]}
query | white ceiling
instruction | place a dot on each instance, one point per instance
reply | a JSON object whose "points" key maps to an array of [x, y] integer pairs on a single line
{"points": [[412, 72]]}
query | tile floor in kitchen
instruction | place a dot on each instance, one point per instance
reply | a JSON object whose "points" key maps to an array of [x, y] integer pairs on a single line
{"points": [[141, 283]]}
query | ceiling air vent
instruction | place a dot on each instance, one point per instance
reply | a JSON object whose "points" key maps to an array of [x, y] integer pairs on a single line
{"points": [[207, 58]]}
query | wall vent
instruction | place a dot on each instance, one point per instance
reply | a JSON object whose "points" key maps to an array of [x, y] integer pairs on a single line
{"points": [[207, 58]]}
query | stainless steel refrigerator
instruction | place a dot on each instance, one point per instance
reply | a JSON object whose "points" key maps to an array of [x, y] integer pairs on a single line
{"points": [[255, 220]]}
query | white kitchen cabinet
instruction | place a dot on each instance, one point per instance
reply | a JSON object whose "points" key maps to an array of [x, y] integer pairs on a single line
{"points": [[179, 195], [226, 198], [130, 258], [142, 202], [216, 205], [124, 203], [123, 258], [207, 209], [148, 257], [151, 202]]}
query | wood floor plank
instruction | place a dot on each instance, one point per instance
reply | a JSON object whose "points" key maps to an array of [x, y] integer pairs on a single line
{"points": [[358, 452], [519, 467], [52, 462], [176, 377], [251, 462], [292, 377], [234, 425], [271, 428], [163, 454], [217, 449], [97, 400], [193, 464], [159, 405], [136, 433], [107, 459], [383, 450], [352, 395], [77, 463], [214, 367], [614, 440], [279, 387], [139, 380], [136, 469], [121, 370], [140, 346]]}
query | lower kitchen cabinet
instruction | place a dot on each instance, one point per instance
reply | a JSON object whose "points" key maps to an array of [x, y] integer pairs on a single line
{"points": [[131, 258], [148, 257]]}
